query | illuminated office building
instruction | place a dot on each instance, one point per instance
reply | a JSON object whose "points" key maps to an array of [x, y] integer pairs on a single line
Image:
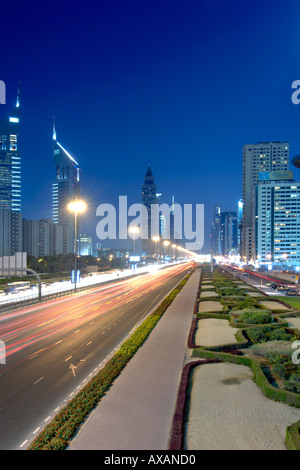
{"points": [[10, 160], [278, 219], [10, 182]]}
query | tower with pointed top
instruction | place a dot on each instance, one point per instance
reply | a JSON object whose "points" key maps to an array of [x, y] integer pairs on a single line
{"points": [[65, 189], [149, 196]]}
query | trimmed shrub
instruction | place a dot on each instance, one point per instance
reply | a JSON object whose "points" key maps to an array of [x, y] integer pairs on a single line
{"points": [[268, 333], [248, 303], [255, 317], [293, 382]]}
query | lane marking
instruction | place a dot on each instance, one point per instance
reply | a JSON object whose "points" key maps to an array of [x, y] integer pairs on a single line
{"points": [[37, 381]]}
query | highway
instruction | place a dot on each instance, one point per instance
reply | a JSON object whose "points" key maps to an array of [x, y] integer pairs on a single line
{"points": [[54, 348], [259, 280]]}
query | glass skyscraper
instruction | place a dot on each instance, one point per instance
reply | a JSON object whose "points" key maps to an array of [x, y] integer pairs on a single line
{"points": [[65, 188], [10, 160], [149, 196]]}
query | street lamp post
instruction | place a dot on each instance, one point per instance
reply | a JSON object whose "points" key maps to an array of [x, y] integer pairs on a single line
{"points": [[77, 207], [174, 246], [156, 240], [134, 231], [166, 243]]}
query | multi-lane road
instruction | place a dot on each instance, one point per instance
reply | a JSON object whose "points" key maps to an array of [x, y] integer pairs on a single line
{"points": [[54, 348]]}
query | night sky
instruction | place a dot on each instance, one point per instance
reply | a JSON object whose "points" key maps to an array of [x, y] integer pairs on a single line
{"points": [[179, 85]]}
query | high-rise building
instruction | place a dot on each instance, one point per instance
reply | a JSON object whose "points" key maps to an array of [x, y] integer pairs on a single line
{"points": [[10, 183], [10, 160], [65, 188], [228, 233], [216, 232], [149, 196], [278, 219], [257, 158]]}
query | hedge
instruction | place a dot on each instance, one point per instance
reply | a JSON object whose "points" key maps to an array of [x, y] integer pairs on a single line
{"points": [[65, 424], [260, 379], [178, 422]]}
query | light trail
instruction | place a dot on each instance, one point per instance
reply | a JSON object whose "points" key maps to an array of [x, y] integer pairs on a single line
{"points": [[33, 325]]}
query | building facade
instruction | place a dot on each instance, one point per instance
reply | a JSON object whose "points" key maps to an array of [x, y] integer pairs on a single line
{"points": [[257, 158]]}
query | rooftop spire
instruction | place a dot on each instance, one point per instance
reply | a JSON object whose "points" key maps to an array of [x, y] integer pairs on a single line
{"points": [[53, 128], [18, 97], [149, 171]]}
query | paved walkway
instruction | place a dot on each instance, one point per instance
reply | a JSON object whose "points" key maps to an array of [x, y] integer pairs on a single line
{"points": [[137, 412]]}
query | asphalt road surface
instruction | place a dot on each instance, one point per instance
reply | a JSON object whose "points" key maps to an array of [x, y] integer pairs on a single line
{"points": [[54, 348]]}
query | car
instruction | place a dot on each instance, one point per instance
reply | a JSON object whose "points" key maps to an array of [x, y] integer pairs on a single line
{"points": [[268, 284], [282, 288], [292, 292]]}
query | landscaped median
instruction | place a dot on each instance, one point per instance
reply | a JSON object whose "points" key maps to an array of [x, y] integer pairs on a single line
{"points": [[57, 434], [265, 332]]}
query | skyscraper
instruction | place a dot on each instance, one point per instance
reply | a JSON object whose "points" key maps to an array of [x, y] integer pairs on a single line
{"points": [[10, 160], [228, 233], [257, 158], [278, 219], [10, 182], [216, 232], [149, 196], [65, 188]]}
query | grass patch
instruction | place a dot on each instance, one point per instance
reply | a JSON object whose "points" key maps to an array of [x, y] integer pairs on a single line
{"points": [[292, 301]]}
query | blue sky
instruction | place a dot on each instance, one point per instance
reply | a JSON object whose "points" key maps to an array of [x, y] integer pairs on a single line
{"points": [[181, 86]]}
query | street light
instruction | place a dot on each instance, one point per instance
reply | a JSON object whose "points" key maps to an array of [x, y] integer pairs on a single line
{"points": [[166, 243], [174, 246], [134, 231], [156, 240], [78, 207]]}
